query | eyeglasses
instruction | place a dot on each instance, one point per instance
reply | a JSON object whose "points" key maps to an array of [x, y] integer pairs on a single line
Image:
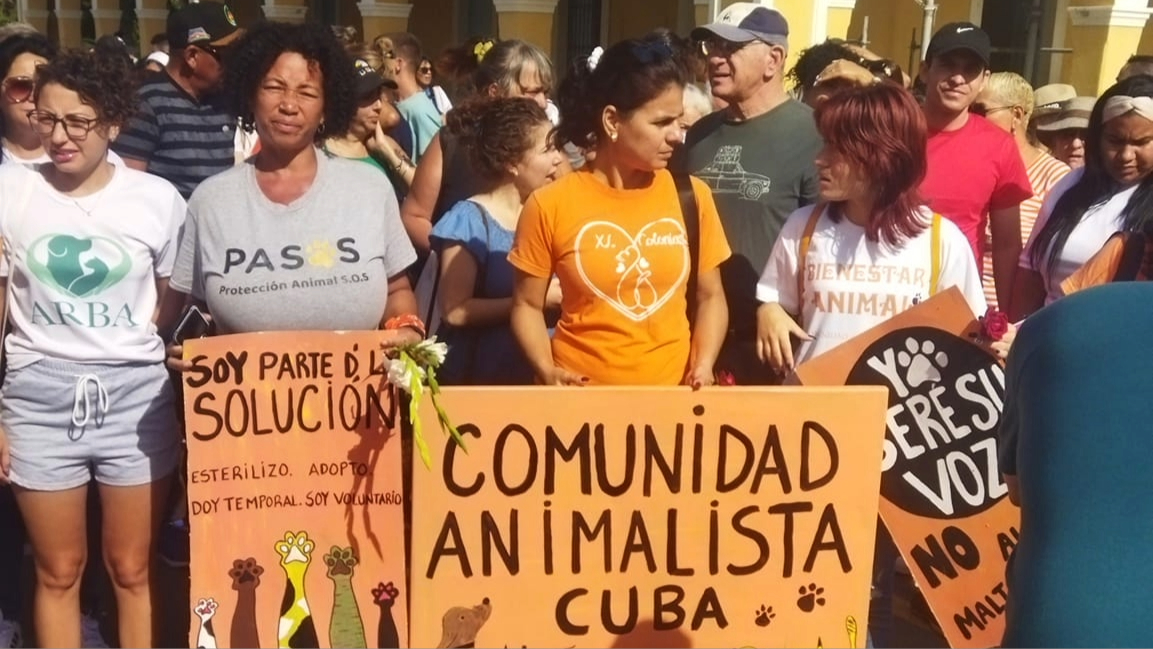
{"points": [[77, 128], [18, 89], [425, 70], [985, 111]]}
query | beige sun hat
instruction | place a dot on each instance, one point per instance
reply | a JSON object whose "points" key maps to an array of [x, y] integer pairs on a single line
{"points": [[1047, 100], [1073, 114]]}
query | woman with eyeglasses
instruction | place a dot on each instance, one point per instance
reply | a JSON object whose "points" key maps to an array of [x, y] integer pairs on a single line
{"points": [[89, 247], [20, 55], [1007, 102]]}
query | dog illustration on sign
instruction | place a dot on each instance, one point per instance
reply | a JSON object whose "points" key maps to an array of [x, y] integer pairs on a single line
{"points": [[345, 627], [460, 625], [296, 628], [245, 576]]}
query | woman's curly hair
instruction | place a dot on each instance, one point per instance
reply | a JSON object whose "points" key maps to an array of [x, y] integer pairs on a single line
{"points": [[259, 48], [103, 80]]}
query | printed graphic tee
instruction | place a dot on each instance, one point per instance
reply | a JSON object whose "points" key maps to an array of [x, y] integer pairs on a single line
{"points": [[82, 271], [760, 171], [972, 171], [853, 284], [320, 263], [622, 259]]}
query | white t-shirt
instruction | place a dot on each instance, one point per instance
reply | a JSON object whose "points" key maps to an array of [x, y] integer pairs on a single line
{"points": [[83, 271], [1099, 222], [853, 284]]}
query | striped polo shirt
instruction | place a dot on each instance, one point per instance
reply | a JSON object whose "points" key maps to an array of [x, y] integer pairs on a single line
{"points": [[183, 139]]}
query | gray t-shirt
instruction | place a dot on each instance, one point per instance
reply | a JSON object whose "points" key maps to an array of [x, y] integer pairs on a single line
{"points": [[760, 171], [320, 263]]}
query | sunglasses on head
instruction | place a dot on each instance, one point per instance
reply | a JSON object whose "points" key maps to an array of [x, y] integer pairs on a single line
{"points": [[18, 89]]}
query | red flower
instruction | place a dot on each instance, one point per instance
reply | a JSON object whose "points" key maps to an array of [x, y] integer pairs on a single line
{"points": [[725, 377], [995, 324]]}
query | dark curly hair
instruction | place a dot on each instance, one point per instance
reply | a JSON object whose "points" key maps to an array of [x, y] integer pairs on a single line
{"points": [[495, 132], [259, 48], [813, 60], [103, 80]]}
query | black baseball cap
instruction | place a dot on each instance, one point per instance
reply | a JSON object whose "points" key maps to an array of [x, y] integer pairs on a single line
{"points": [[960, 36], [742, 22], [205, 23], [368, 80]]}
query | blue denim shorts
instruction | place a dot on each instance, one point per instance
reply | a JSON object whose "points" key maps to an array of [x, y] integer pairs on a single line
{"points": [[69, 422]]}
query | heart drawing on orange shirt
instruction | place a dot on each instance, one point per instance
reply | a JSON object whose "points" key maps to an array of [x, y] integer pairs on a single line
{"points": [[629, 287]]}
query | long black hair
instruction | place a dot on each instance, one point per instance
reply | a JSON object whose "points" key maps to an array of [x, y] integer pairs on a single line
{"points": [[1096, 185]]}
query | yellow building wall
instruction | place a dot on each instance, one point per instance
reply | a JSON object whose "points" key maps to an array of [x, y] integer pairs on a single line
{"points": [[1098, 55], [536, 28], [635, 18], [839, 21], [895, 24], [433, 22]]}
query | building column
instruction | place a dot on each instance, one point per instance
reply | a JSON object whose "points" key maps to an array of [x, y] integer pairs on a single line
{"points": [[1102, 37], [527, 20], [287, 11], [152, 16], [106, 14], [383, 17], [68, 16], [35, 13]]}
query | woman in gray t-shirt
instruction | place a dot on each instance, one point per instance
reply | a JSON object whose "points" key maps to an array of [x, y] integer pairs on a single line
{"points": [[295, 239]]}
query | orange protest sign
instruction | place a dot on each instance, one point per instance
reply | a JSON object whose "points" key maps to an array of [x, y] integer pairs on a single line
{"points": [[943, 498], [294, 490], [648, 517]]}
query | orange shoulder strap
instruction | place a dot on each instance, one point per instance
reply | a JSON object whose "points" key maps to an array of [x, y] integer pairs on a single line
{"points": [[935, 261], [803, 250]]}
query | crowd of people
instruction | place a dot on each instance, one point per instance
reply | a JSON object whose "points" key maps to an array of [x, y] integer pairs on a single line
{"points": [[667, 211]]}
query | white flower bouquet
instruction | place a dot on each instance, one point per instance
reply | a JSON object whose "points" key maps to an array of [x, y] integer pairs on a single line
{"points": [[411, 368]]}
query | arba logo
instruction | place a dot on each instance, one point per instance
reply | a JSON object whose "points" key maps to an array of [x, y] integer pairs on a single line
{"points": [[945, 402], [78, 267]]}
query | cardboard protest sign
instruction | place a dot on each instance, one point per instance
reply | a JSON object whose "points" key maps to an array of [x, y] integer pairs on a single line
{"points": [[943, 498], [648, 517], [294, 490]]}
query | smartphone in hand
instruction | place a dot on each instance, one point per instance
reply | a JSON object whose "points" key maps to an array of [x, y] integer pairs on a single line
{"points": [[192, 325]]}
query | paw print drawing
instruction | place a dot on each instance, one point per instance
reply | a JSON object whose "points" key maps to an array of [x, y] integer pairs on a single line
{"points": [[765, 615], [245, 573], [205, 609], [922, 362], [810, 598], [321, 253], [385, 593]]}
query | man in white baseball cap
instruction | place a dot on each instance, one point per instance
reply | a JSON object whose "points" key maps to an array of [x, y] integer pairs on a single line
{"points": [[757, 155]]}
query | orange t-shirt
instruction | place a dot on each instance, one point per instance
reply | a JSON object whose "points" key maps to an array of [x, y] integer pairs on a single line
{"points": [[622, 259], [1103, 266]]}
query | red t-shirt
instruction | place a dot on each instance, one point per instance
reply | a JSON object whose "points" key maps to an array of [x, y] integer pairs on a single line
{"points": [[973, 170]]}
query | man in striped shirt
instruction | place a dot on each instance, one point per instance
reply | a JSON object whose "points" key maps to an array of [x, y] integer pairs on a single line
{"points": [[181, 132]]}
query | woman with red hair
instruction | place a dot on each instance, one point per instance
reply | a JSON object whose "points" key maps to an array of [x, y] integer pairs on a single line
{"points": [[869, 249]]}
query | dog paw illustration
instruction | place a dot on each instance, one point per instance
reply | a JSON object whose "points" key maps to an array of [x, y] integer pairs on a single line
{"points": [[385, 593], [810, 598], [205, 609], [340, 561], [295, 547], [765, 616], [321, 253], [922, 362], [245, 573]]}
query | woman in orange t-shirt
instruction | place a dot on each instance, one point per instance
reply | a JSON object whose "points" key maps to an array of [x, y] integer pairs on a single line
{"points": [[614, 235]]}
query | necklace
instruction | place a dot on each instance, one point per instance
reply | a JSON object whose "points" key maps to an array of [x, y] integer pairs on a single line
{"points": [[88, 210]]}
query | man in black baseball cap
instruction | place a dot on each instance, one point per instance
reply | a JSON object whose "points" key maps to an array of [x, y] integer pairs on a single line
{"points": [[202, 24], [975, 175]]}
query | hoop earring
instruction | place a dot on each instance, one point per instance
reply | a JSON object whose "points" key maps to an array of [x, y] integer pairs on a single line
{"points": [[320, 129]]}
